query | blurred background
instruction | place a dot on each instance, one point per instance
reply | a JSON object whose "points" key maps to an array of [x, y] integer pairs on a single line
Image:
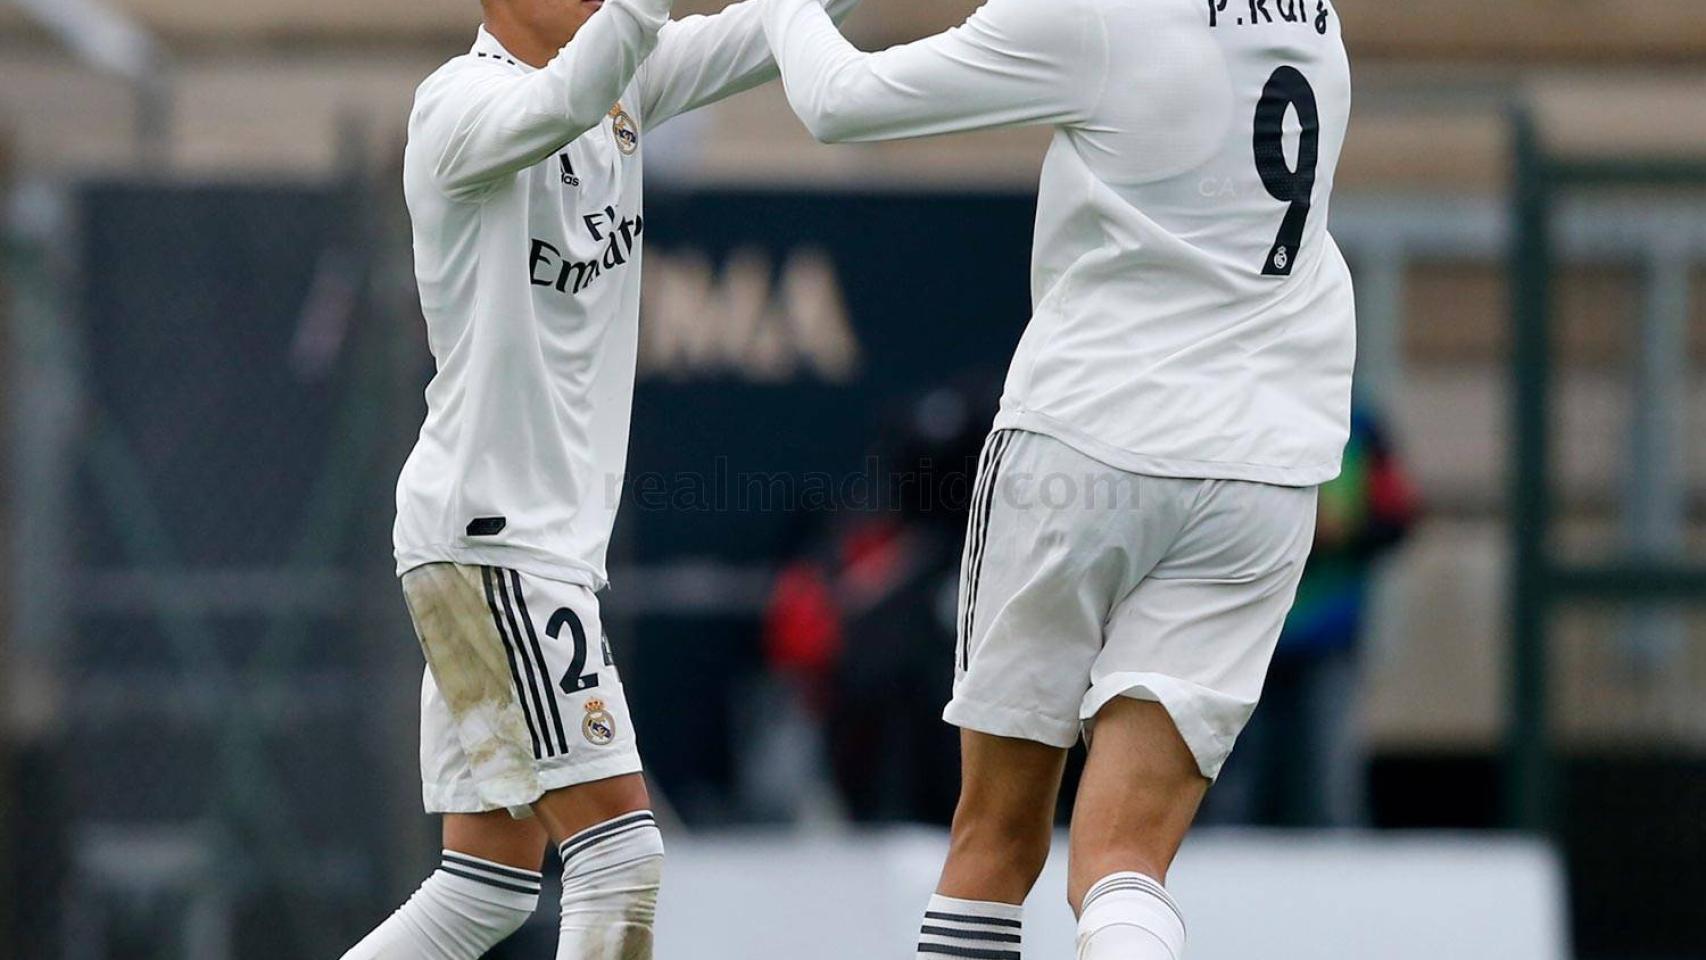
{"points": [[1485, 733]]}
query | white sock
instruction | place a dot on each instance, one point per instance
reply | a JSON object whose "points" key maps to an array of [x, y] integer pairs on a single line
{"points": [[459, 913], [611, 876], [974, 929], [1128, 916]]}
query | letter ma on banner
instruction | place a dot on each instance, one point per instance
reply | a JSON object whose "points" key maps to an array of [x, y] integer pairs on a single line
{"points": [[749, 317]]}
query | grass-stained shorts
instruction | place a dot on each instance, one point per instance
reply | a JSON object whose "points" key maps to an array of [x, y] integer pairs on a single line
{"points": [[521, 694]]}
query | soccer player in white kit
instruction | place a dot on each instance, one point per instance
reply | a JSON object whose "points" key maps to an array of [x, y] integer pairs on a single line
{"points": [[1146, 502], [523, 181]]}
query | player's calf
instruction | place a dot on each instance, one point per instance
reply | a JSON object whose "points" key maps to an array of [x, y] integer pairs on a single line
{"points": [[1139, 793], [995, 856], [1000, 841], [1004, 823]]}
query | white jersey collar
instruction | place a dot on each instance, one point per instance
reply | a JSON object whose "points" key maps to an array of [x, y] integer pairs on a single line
{"points": [[487, 47]]}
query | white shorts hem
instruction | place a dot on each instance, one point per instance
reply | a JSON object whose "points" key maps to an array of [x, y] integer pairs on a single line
{"points": [[1018, 724], [1197, 712], [463, 796]]}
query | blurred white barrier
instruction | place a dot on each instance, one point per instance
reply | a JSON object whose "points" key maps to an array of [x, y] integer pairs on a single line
{"points": [[1247, 895]]}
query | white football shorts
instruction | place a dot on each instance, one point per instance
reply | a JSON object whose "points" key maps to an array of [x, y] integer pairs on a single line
{"points": [[1082, 583], [521, 694]]}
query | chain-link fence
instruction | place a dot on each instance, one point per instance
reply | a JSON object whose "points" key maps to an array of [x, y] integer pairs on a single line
{"points": [[205, 418]]}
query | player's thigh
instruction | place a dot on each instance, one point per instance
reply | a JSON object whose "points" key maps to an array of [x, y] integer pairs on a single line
{"points": [[1042, 567], [475, 749], [1197, 635], [567, 811], [1138, 794], [496, 836]]}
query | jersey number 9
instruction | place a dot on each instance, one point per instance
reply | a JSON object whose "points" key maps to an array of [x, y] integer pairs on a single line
{"points": [[1287, 89]]}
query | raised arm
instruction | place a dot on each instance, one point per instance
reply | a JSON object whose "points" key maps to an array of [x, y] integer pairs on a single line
{"points": [[486, 124], [1014, 62], [702, 59]]}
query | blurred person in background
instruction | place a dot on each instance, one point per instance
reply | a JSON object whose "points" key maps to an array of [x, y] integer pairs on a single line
{"points": [[1186, 377], [861, 624], [524, 185], [1301, 762]]}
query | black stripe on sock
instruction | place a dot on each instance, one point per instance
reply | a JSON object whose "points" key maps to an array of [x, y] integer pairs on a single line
{"points": [[1145, 885], [609, 825], [972, 953], [539, 655], [1125, 883], [533, 678], [959, 934], [514, 670], [579, 841], [586, 845], [463, 860], [969, 918], [488, 881]]}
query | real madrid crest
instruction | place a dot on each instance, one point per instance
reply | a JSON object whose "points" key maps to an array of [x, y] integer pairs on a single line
{"points": [[598, 726], [625, 130]]}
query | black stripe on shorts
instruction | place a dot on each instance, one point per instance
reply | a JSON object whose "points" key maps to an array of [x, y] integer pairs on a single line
{"points": [[514, 668], [539, 657], [999, 443], [538, 684]]}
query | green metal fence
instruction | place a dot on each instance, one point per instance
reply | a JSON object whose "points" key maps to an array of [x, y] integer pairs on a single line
{"points": [[1541, 580]]}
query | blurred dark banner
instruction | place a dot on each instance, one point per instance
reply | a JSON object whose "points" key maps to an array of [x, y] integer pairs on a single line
{"points": [[855, 304], [782, 334]]}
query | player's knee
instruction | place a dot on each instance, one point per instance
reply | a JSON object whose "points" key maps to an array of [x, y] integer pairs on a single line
{"points": [[612, 873]]}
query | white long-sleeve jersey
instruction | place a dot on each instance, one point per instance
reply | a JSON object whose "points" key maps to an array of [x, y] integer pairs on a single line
{"points": [[524, 188], [1191, 315]]}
